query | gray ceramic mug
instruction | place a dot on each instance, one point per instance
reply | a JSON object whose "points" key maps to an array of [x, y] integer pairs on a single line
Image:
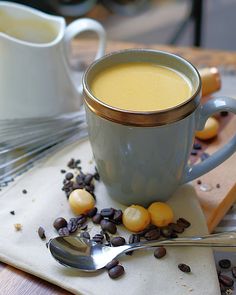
{"points": [[143, 156]]}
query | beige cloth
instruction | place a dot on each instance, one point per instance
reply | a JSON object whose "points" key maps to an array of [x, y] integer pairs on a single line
{"points": [[144, 274]]}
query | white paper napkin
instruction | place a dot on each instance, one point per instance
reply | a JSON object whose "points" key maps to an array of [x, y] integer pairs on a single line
{"points": [[143, 273]]}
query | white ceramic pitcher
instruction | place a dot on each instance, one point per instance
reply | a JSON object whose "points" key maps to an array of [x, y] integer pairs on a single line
{"points": [[35, 76]]}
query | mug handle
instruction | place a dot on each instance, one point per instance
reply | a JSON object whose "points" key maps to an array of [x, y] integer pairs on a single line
{"points": [[81, 25], [213, 106]]}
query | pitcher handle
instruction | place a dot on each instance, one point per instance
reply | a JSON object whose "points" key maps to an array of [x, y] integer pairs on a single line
{"points": [[79, 26], [213, 106]]}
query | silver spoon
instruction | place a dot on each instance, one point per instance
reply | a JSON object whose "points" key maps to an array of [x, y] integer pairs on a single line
{"points": [[87, 255]]}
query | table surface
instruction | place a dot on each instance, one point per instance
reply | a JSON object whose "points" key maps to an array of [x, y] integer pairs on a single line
{"points": [[16, 282]]}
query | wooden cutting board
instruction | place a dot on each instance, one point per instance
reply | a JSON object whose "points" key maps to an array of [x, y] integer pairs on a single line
{"points": [[221, 181]]}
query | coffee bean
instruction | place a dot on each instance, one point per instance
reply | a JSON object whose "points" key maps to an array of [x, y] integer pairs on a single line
{"points": [[193, 153], [223, 288], [233, 270], [84, 227], [107, 212], [97, 218], [109, 226], [71, 163], [81, 219], [176, 228], [69, 176], [153, 234], [134, 238], [59, 223], [12, 212], [116, 271], [224, 113], [225, 263], [92, 212], [41, 233], [112, 264], [197, 146], [117, 241], [63, 231], [63, 171], [226, 280], [79, 180], [85, 235], [98, 238], [184, 223], [72, 225], [117, 218], [88, 178], [143, 232], [184, 267], [160, 252], [166, 232], [173, 235], [24, 191], [96, 175]]}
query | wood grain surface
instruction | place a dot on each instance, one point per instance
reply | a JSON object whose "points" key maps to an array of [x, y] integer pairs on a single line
{"points": [[16, 282]]}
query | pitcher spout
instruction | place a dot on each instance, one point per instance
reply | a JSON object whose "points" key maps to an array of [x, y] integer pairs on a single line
{"points": [[29, 26]]}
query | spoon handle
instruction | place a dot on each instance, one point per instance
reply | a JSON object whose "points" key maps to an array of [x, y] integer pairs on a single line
{"points": [[224, 239]]}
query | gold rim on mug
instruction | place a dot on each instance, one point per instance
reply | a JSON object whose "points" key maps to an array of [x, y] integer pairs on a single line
{"points": [[140, 118]]}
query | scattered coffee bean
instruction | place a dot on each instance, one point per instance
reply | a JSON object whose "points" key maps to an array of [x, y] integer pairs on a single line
{"points": [[117, 218], [225, 263], [98, 238], [41, 233], [12, 212], [92, 212], [194, 153], [197, 146], [184, 222], [84, 227], [63, 171], [233, 270], [59, 223], [69, 176], [160, 252], [112, 264], [133, 238], [153, 234], [96, 175], [107, 212], [116, 271], [184, 267], [71, 163], [176, 228], [204, 156], [81, 219], [199, 181], [143, 232], [173, 235], [24, 191], [109, 226], [108, 239], [218, 185], [97, 218], [224, 113], [63, 231], [166, 232], [117, 241], [88, 178], [226, 280], [85, 235], [72, 225]]}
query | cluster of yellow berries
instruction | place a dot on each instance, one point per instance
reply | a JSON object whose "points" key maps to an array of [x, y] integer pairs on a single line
{"points": [[135, 217]]}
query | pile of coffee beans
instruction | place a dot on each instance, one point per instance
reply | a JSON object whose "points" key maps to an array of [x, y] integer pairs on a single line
{"points": [[79, 180], [226, 275], [108, 219]]}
